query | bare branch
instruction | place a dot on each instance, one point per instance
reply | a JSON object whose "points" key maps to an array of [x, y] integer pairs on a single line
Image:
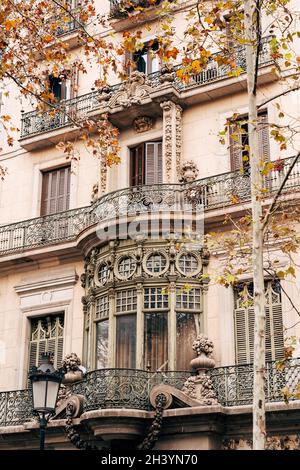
{"points": [[283, 93]]}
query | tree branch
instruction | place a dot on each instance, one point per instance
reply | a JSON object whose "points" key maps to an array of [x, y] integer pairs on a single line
{"points": [[283, 93], [272, 206], [284, 291]]}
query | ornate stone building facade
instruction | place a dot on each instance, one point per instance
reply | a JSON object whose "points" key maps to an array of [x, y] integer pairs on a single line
{"points": [[109, 265]]}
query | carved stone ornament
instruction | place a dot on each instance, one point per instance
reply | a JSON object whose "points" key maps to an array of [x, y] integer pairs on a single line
{"points": [[72, 368], [188, 172], [132, 91], [291, 442], [142, 124], [166, 74], [104, 94], [95, 191], [200, 387]]}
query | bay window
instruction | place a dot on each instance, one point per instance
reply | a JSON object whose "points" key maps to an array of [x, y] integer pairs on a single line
{"points": [[143, 316]]}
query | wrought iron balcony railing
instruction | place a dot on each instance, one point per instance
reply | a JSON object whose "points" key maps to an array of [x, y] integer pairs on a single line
{"points": [[37, 122], [210, 193], [129, 388], [67, 22], [215, 72]]}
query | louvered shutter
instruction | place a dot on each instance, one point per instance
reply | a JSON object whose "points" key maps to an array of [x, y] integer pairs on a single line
{"points": [[274, 325], [250, 320], [244, 327], [263, 137], [46, 335], [235, 146], [45, 193], [153, 163], [55, 191], [241, 336], [150, 163], [63, 190], [159, 163]]}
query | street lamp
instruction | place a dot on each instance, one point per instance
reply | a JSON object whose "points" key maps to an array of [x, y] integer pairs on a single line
{"points": [[45, 382]]}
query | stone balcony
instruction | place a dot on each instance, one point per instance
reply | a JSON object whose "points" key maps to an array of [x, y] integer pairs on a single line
{"points": [[76, 229], [124, 101]]}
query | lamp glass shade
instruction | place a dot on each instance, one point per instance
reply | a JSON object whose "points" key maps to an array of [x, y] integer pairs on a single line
{"points": [[53, 388], [45, 395], [39, 394]]}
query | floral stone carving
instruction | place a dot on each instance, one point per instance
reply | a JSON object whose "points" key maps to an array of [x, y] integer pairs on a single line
{"points": [[188, 172], [200, 387], [132, 91]]}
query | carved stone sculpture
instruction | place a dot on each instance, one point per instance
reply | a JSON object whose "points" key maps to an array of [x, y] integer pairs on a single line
{"points": [[200, 387], [95, 191], [132, 91], [142, 124], [71, 365], [166, 74], [104, 94], [188, 172]]}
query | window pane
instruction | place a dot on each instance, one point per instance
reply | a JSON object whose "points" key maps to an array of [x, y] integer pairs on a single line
{"points": [[154, 297], [126, 341], [156, 340], [102, 307], [102, 344], [189, 299], [126, 300], [186, 332]]}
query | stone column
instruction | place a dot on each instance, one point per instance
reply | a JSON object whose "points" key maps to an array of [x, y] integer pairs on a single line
{"points": [[111, 330], [172, 141], [139, 327]]}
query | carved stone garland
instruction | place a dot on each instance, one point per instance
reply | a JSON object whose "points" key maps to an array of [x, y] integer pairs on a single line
{"points": [[155, 428]]}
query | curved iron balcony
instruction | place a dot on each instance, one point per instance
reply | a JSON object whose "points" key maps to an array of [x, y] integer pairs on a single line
{"points": [[37, 122], [208, 193], [130, 388]]}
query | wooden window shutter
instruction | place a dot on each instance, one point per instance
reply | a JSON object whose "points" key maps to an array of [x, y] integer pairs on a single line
{"points": [[263, 137], [47, 335], [137, 165], [150, 162], [55, 191], [274, 325], [153, 163], [235, 146], [241, 336], [244, 326]]}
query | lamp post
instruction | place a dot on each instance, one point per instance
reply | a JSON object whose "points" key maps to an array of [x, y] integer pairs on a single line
{"points": [[45, 382]]}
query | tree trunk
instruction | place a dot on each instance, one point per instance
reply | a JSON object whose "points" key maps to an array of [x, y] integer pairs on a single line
{"points": [[252, 35]]}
